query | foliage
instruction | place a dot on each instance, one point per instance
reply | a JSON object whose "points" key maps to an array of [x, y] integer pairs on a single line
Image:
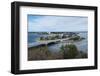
{"points": [[75, 38], [38, 53], [53, 37], [69, 51]]}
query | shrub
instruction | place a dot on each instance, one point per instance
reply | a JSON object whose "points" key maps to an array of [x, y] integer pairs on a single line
{"points": [[69, 51], [75, 38]]}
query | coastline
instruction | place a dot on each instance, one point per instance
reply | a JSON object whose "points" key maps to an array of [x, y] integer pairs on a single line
{"points": [[49, 49], [43, 53]]}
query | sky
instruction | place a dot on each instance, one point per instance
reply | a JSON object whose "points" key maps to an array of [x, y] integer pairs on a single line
{"points": [[47, 23]]}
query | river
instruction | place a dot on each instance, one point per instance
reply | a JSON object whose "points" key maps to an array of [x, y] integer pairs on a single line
{"points": [[81, 45]]}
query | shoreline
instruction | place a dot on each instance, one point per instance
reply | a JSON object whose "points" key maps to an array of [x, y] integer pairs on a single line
{"points": [[44, 53]]}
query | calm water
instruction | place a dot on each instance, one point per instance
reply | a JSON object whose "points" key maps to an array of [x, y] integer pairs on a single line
{"points": [[32, 37], [81, 45]]}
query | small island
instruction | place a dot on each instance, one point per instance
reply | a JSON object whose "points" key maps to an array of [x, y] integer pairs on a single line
{"points": [[61, 35]]}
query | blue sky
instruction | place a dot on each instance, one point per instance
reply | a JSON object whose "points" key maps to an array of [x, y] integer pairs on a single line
{"points": [[40, 23]]}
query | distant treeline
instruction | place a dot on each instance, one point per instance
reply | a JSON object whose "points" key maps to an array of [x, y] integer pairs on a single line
{"points": [[54, 32], [62, 32]]}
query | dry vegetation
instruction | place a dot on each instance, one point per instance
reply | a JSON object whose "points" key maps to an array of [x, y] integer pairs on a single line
{"points": [[42, 53], [67, 52]]}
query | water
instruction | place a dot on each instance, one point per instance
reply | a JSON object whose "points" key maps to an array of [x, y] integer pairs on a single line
{"points": [[32, 37], [81, 45]]}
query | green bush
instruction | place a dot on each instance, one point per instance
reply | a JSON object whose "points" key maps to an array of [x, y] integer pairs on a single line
{"points": [[69, 51]]}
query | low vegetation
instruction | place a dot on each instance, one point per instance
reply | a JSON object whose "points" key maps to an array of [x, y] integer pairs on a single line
{"points": [[53, 37], [67, 52], [42, 53], [70, 51], [38, 53], [76, 38]]}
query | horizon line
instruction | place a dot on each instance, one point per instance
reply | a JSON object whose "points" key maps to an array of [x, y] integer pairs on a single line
{"points": [[58, 31]]}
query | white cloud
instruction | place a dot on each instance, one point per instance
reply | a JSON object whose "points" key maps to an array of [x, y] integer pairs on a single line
{"points": [[58, 23]]}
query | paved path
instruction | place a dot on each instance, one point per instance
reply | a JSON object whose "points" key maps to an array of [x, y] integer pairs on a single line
{"points": [[46, 42]]}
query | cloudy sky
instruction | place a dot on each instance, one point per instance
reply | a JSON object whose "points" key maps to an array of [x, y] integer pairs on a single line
{"points": [[40, 23]]}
